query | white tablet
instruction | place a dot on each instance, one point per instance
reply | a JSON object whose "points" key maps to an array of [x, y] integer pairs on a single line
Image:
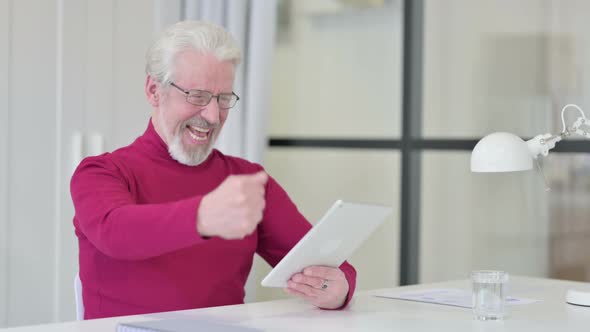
{"points": [[331, 241]]}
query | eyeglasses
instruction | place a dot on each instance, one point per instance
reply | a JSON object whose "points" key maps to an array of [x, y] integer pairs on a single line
{"points": [[203, 98]]}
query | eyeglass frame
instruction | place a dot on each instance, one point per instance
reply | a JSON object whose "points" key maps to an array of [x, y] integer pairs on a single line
{"points": [[188, 93]]}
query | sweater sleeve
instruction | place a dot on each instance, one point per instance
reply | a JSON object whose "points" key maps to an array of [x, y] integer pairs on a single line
{"points": [[109, 216], [283, 226]]}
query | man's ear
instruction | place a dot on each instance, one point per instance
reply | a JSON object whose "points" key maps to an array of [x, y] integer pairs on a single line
{"points": [[152, 91]]}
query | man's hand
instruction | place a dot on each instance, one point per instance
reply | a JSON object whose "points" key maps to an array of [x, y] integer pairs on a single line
{"points": [[324, 287], [234, 209]]}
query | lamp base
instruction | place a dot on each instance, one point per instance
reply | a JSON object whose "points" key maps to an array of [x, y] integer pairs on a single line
{"points": [[577, 297]]}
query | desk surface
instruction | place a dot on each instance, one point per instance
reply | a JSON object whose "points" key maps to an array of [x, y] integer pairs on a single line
{"points": [[369, 313]]}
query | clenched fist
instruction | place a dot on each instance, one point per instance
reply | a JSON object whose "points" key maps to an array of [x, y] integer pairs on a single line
{"points": [[234, 209]]}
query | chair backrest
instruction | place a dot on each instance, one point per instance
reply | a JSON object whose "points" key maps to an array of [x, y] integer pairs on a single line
{"points": [[79, 300]]}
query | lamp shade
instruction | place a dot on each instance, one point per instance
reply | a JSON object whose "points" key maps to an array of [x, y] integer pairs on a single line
{"points": [[501, 152]]}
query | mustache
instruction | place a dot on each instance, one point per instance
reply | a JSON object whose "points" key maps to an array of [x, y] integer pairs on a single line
{"points": [[199, 122]]}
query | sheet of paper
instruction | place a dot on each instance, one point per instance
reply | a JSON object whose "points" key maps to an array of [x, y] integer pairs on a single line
{"points": [[445, 296]]}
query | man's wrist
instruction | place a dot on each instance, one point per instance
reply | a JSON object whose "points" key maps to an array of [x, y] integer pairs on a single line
{"points": [[199, 225]]}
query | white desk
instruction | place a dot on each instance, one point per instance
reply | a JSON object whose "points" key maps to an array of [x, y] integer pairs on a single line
{"points": [[369, 313]]}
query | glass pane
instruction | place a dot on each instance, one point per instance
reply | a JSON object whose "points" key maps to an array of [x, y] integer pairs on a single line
{"points": [[315, 178], [505, 221], [503, 65], [481, 221], [337, 69], [569, 242]]}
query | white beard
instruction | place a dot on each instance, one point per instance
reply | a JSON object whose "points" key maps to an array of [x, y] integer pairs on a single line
{"points": [[186, 157], [189, 158]]}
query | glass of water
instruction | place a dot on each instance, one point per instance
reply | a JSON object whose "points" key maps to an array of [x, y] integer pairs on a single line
{"points": [[489, 294]]}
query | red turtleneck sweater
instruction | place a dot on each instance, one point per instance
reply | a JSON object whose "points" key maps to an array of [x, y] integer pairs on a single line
{"points": [[136, 225]]}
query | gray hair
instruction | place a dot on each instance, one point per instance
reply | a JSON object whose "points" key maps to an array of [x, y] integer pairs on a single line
{"points": [[189, 35]]}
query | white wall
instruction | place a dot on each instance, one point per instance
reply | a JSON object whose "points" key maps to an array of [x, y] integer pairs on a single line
{"points": [[32, 157], [4, 117], [67, 68]]}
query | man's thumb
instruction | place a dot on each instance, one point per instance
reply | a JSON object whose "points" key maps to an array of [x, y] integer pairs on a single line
{"points": [[260, 177]]}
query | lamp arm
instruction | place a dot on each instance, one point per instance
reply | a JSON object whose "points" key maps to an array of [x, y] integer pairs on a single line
{"points": [[541, 144], [565, 129], [576, 126]]}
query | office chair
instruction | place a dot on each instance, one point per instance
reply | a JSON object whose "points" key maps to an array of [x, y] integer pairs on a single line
{"points": [[78, 295]]}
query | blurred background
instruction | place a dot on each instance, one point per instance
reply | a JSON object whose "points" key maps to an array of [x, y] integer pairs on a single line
{"points": [[365, 100]]}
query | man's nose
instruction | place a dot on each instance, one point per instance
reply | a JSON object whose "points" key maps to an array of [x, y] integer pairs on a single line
{"points": [[211, 111]]}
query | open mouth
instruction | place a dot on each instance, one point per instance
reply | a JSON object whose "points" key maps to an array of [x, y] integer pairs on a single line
{"points": [[197, 133]]}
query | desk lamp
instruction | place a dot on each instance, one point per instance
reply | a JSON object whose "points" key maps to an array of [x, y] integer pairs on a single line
{"points": [[505, 152]]}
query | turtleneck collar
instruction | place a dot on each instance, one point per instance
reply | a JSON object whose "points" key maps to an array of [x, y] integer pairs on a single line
{"points": [[153, 143]]}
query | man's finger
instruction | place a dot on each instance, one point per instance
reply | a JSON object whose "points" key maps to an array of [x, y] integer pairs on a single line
{"points": [[305, 289], [297, 293], [294, 292], [324, 272], [311, 281], [260, 177]]}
